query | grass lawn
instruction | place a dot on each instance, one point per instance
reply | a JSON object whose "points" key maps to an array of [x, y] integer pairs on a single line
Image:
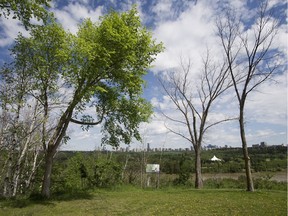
{"points": [[131, 201]]}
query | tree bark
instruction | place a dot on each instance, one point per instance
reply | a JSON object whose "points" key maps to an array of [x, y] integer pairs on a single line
{"points": [[7, 190], [247, 161], [47, 175], [53, 145], [198, 172], [23, 152], [29, 181]]}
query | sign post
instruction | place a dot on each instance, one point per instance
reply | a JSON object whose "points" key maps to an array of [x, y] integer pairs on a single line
{"points": [[153, 168]]}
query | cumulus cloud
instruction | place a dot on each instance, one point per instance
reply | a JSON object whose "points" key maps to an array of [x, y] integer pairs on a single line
{"points": [[187, 36], [187, 31], [268, 104], [71, 15], [190, 34], [9, 30]]}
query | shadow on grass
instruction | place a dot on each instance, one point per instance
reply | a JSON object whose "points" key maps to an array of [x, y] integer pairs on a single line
{"points": [[23, 202], [73, 195], [37, 199]]}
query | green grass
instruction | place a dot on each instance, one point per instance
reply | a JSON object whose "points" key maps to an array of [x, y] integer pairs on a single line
{"points": [[172, 201]]}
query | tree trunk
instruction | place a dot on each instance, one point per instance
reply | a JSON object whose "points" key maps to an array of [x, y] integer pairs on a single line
{"points": [[53, 145], [47, 174], [198, 173], [249, 180], [29, 181], [24, 151], [7, 190]]}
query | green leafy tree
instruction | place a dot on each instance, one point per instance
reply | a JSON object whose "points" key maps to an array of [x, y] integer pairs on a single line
{"points": [[102, 66], [25, 10]]}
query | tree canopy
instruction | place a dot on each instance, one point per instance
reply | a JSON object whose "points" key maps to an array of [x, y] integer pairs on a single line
{"points": [[103, 64], [102, 68], [25, 10]]}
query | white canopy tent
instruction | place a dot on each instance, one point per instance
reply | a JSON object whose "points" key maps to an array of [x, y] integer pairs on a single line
{"points": [[214, 158]]}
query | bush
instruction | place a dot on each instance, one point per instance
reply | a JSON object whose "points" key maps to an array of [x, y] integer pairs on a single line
{"points": [[263, 183], [82, 172], [183, 179], [184, 171], [218, 183], [106, 174], [266, 183]]}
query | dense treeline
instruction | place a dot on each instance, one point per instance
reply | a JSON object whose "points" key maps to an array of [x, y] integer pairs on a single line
{"points": [[76, 170], [87, 170], [272, 158]]}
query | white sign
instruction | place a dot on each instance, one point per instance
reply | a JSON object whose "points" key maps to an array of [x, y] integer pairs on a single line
{"points": [[152, 168]]}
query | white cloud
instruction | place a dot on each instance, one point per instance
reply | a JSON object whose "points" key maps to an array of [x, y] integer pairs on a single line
{"points": [[162, 10], [185, 33], [73, 14], [269, 103], [187, 36], [10, 28]]}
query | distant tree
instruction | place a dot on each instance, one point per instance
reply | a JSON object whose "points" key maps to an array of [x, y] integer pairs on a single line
{"points": [[194, 101], [250, 58], [24, 10], [102, 66]]}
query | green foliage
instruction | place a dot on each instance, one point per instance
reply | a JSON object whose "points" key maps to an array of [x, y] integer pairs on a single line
{"points": [[41, 60], [262, 183], [25, 10], [184, 171], [78, 169], [103, 65], [81, 172], [265, 183], [176, 167], [221, 183], [271, 158], [107, 173]]}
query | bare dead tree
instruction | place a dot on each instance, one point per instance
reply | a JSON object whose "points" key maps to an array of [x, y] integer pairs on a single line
{"points": [[250, 60], [194, 103]]}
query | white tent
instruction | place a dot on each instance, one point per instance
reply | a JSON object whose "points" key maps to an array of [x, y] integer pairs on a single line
{"points": [[214, 158]]}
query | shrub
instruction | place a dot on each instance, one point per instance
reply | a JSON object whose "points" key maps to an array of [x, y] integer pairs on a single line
{"points": [[106, 173], [182, 179], [240, 183], [266, 183]]}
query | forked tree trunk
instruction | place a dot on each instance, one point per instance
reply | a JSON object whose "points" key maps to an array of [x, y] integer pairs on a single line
{"points": [[247, 161], [53, 145], [198, 172]]}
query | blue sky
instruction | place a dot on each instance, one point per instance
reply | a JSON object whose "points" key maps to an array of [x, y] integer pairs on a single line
{"points": [[186, 28]]}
